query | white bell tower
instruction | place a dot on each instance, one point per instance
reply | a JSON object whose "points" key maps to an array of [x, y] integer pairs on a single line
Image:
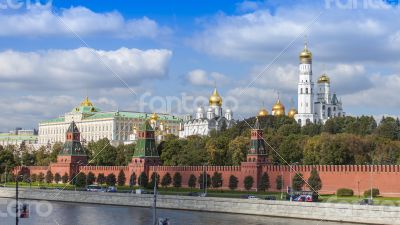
{"points": [[305, 90]]}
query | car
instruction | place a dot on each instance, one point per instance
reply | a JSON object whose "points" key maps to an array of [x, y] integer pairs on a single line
{"points": [[270, 197], [111, 189], [253, 197], [366, 201], [94, 188], [303, 198], [245, 196], [193, 194]]}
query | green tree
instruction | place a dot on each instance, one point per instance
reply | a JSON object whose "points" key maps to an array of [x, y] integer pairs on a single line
{"points": [[143, 180], [237, 150], [279, 182], [65, 178], [248, 182], [166, 180], [57, 178], [264, 183], [106, 154], [177, 180], [298, 182], [49, 177], [289, 129], [216, 180], [192, 181], [101, 179], [311, 129], [34, 177], [41, 177], [56, 149], [7, 160], [42, 157], [111, 179], [314, 181], [217, 148], [91, 178], [80, 180], [155, 177], [233, 182], [291, 149], [388, 128], [203, 179], [132, 179], [121, 178]]}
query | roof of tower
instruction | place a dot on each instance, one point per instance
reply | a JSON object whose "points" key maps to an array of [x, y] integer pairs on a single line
{"points": [[292, 112], [215, 98], [73, 128], [324, 79], [305, 54]]}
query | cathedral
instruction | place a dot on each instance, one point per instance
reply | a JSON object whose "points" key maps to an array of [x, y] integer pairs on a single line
{"points": [[205, 122], [314, 108], [311, 108]]}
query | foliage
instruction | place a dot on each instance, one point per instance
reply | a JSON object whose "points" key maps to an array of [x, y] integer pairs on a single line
{"points": [[57, 178], [314, 181], [132, 179], [111, 179], [248, 182], [298, 182], [101, 179], [375, 192], [166, 180], [279, 182], [264, 183], [344, 192], [80, 180], [177, 180], [155, 178], [237, 150], [34, 177], [202, 179], [49, 177], [65, 178], [105, 154], [143, 180], [233, 182], [121, 178], [91, 178], [216, 180], [192, 181]]}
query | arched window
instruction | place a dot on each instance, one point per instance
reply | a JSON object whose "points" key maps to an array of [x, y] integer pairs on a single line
{"points": [[306, 90], [308, 121]]}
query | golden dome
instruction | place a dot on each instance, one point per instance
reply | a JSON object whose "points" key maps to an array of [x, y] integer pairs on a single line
{"points": [[215, 99], [154, 117], [263, 112], [292, 112], [324, 79], [305, 54], [278, 109], [86, 102]]}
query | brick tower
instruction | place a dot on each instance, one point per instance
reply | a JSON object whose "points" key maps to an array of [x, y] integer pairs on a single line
{"points": [[256, 155], [72, 155], [145, 154]]}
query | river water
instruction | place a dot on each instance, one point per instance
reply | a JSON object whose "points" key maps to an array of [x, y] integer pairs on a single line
{"points": [[59, 213]]}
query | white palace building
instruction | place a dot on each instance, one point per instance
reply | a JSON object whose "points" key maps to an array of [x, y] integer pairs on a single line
{"points": [[315, 108]]}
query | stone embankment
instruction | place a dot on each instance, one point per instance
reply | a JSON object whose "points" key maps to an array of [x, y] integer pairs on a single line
{"points": [[316, 211]]}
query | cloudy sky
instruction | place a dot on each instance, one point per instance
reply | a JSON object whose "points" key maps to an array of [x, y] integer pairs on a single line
{"points": [[168, 55]]}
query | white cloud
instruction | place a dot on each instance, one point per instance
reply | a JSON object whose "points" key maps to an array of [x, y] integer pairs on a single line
{"points": [[39, 20], [200, 77], [81, 68]]}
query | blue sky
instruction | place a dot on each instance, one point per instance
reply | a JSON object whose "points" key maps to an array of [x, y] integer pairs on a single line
{"points": [[52, 55]]}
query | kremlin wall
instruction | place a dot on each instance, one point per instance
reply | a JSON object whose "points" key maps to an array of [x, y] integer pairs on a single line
{"points": [[359, 178]]}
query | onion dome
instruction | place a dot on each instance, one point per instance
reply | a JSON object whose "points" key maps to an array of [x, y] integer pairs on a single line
{"points": [[263, 112], [292, 112], [278, 109], [154, 117], [86, 102], [215, 98], [305, 55], [324, 79]]}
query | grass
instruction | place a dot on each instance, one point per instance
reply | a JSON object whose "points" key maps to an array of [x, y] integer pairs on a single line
{"points": [[387, 201]]}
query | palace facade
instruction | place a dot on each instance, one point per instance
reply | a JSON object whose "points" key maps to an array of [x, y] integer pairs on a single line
{"points": [[94, 124]]}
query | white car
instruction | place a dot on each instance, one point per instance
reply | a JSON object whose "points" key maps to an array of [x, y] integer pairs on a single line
{"points": [[252, 197], [94, 188]]}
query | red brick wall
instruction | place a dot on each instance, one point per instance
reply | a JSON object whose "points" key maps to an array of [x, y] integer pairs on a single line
{"points": [[358, 178]]}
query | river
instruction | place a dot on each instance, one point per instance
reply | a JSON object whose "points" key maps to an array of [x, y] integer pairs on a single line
{"points": [[60, 213]]}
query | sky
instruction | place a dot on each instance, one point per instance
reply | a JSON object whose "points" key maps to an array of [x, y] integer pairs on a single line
{"points": [[167, 56]]}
